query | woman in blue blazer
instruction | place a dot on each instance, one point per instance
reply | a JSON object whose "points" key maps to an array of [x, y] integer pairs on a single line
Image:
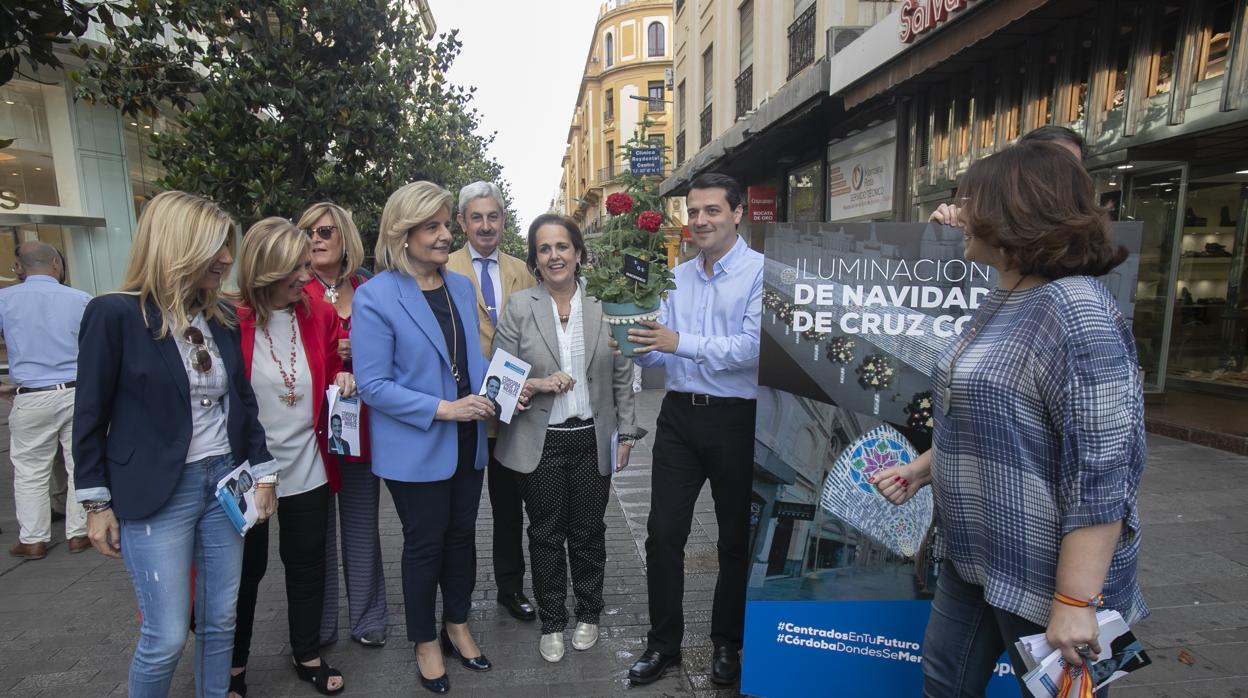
{"points": [[418, 363], [163, 412]]}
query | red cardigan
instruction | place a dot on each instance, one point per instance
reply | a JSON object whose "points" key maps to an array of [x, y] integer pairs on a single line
{"points": [[318, 331]]}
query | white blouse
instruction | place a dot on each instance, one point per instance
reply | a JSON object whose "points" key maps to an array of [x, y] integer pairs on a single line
{"points": [[574, 403], [209, 434], [289, 431]]}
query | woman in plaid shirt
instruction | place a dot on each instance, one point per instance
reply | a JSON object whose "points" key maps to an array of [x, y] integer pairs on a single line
{"points": [[1039, 438]]}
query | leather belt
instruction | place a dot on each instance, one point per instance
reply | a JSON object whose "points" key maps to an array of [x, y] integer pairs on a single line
{"points": [[702, 400], [59, 386]]}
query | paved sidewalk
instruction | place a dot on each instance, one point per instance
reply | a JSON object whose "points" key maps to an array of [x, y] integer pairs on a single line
{"points": [[68, 623]]}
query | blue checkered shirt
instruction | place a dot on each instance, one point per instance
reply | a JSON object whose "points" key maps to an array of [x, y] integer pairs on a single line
{"points": [[1045, 434]]}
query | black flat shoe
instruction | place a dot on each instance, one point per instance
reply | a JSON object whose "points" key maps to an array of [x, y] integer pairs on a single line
{"points": [[477, 663], [376, 638], [319, 676], [518, 605], [440, 685], [650, 666], [238, 683], [725, 666]]}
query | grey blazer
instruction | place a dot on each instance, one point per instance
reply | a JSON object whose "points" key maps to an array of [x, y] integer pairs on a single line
{"points": [[527, 330]]}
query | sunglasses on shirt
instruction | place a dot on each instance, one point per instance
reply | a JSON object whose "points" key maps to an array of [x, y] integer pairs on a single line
{"points": [[324, 232], [201, 359]]}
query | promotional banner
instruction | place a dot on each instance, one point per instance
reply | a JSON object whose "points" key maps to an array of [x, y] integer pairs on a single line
{"points": [[854, 319], [860, 173]]}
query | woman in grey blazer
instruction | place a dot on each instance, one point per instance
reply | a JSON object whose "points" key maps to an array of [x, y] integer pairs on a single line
{"points": [[579, 394]]}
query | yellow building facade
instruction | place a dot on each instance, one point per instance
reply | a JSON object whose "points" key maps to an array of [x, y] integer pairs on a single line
{"points": [[627, 80]]}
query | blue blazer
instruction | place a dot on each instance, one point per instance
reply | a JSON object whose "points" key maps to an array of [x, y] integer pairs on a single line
{"points": [[403, 370], [132, 410]]}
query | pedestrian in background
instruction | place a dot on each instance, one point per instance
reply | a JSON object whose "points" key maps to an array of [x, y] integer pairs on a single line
{"points": [[1038, 445], [164, 411], [39, 321], [290, 351], [561, 444], [337, 270], [707, 340], [418, 360], [495, 277]]}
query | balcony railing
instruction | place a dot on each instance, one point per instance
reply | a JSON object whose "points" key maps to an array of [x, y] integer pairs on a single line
{"points": [[608, 174], [745, 91], [802, 41], [704, 127], [680, 147]]}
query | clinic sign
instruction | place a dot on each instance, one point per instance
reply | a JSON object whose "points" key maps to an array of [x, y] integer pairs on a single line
{"points": [[860, 174], [921, 16]]}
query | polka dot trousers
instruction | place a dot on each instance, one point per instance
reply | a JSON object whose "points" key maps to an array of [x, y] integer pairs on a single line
{"points": [[565, 498]]}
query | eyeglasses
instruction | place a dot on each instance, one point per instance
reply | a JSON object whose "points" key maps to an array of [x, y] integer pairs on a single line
{"points": [[324, 232], [200, 358]]}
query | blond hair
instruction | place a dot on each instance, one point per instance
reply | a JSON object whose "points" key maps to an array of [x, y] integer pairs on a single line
{"points": [[272, 250], [409, 206], [177, 238], [352, 245]]}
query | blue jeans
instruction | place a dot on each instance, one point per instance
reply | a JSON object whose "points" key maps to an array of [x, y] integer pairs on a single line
{"points": [[965, 638], [191, 528]]}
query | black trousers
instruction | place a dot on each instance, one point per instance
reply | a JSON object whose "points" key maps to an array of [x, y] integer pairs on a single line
{"points": [[566, 497], [508, 506], [439, 542], [693, 444], [302, 519]]}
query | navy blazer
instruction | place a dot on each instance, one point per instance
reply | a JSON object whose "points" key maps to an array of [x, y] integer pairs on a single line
{"points": [[132, 410], [403, 370]]}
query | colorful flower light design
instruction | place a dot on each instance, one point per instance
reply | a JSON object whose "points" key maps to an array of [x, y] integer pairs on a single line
{"points": [[841, 350], [848, 495], [919, 413]]}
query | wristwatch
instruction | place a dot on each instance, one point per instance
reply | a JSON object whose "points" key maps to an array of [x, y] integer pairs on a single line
{"points": [[268, 480], [95, 506]]}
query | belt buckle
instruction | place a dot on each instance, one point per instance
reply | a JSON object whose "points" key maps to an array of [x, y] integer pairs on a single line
{"points": [[706, 400]]}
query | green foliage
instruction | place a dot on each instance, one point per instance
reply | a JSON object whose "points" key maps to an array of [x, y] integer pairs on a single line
{"points": [[604, 276], [279, 104], [32, 29]]}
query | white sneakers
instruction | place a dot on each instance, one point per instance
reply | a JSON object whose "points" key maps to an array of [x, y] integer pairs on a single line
{"points": [[583, 637], [551, 647]]}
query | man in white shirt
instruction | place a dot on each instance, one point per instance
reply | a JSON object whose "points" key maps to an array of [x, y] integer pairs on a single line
{"points": [[495, 276]]}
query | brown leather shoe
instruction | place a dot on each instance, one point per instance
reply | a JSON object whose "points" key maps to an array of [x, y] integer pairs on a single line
{"points": [[30, 551], [78, 544]]}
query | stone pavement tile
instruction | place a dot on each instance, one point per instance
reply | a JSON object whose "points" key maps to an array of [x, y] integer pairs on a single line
{"points": [[1177, 595], [1189, 567], [55, 679], [1122, 689], [1166, 667], [1217, 688]]}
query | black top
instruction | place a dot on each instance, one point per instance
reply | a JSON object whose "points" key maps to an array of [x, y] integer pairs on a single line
{"points": [[439, 303]]}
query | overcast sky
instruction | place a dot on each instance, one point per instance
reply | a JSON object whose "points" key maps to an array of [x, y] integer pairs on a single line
{"points": [[525, 59]]}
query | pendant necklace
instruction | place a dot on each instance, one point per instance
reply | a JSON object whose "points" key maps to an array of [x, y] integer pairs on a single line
{"points": [[454, 335], [331, 292], [288, 398], [967, 338]]}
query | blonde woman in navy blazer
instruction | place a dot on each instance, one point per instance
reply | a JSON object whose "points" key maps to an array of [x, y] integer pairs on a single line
{"points": [[418, 363]]}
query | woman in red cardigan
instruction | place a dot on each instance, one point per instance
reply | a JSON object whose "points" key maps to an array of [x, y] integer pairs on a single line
{"points": [[337, 259], [289, 344]]}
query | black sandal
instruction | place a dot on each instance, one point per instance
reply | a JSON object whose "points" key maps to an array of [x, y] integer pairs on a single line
{"points": [[238, 683], [319, 676]]}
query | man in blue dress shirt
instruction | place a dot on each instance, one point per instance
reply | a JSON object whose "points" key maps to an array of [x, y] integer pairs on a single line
{"points": [[706, 340], [39, 320]]}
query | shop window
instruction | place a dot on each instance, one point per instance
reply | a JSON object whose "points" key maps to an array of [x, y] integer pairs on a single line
{"points": [[805, 194], [1170, 19], [1154, 200], [987, 104], [27, 168], [939, 149], [1217, 48], [1082, 75], [1207, 342], [13, 235], [1013, 113], [655, 40], [145, 170]]}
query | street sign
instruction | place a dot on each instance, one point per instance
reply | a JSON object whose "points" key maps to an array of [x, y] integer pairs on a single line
{"points": [[646, 161]]}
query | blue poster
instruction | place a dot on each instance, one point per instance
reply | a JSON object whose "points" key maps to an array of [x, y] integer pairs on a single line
{"points": [[841, 581]]}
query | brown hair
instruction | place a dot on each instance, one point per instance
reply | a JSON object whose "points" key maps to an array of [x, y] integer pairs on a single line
{"points": [[574, 235], [1036, 203]]}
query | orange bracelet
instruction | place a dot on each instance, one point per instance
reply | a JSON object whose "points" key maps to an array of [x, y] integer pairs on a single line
{"points": [[1096, 601]]}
